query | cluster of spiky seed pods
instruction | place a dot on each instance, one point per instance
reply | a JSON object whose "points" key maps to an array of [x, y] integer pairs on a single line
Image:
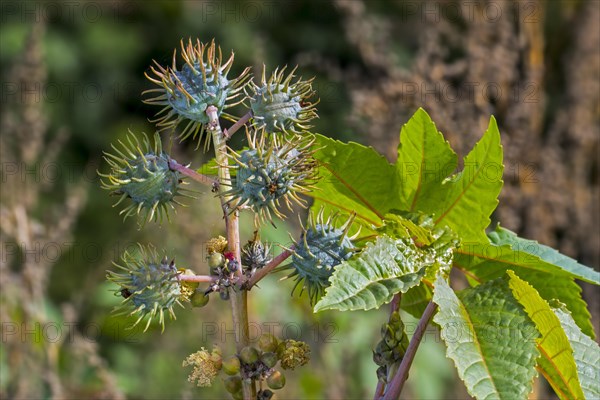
{"points": [[273, 172]]}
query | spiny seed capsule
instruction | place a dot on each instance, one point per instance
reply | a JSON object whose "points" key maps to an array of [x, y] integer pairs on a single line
{"points": [[142, 174], [322, 246], [280, 105], [152, 286], [201, 82], [272, 170]]}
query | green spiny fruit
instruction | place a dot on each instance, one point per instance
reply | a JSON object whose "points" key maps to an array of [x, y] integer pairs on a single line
{"points": [[323, 245], [201, 82], [280, 105], [142, 173], [273, 170], [150, 286]]}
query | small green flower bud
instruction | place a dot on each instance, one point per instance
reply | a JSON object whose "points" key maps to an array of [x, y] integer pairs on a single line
{"points": [[264, 394], [269, 359], [249, 355], [216, 260], [239, 395], [231, 366], [233, 384], [267, 342], [199, 298], [276, 380]]}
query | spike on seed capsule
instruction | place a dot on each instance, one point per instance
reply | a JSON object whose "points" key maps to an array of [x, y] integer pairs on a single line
{"points": [[186, 93]]}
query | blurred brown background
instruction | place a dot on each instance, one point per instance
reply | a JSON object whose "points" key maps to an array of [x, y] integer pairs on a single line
{"points": [[72, 74]]}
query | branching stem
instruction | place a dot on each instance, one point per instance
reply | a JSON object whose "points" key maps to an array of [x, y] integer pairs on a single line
{"points": [[197, 278], [205, 180], [239, 123], [261, 273]]}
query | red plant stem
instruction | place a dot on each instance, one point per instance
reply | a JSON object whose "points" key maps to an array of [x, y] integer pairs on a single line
{"points": [[238, 298], [395, 386], [197, 278], [240, 122], [261, 273], [205, 180]]}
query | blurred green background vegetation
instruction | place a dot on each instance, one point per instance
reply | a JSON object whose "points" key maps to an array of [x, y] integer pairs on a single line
{"points": [[72, 75]]}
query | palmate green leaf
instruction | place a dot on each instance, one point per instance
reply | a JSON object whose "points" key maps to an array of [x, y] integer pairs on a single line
{"points": [[486, 261], [425, 159], [384, 267], [556, 361], [501, 236], [354, 178], [489, 338], [472, 195], [586, 353]]}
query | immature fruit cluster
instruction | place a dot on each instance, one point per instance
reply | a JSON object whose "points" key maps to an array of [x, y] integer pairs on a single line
{"points": [[280, 105], [150, 287], [223, 265], [140, 172], [274, 170], [391, 348], [322, 245], [201, 82], [258, 363]]}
